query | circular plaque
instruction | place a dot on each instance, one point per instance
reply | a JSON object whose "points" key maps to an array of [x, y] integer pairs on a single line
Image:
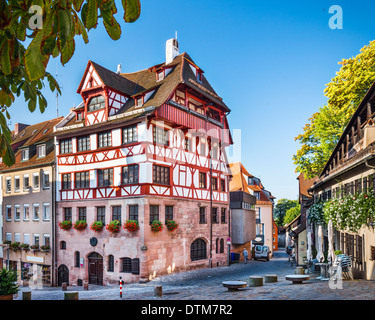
{"points": [[93, 241]]}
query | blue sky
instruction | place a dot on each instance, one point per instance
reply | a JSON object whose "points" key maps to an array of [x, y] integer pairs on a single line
{"points": [[269, 61]]}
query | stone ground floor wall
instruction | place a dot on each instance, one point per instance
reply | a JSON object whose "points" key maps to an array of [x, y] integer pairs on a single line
{"points": [[158, 253]]}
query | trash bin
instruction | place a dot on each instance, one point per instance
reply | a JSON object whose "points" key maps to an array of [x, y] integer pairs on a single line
{"points": [[232, 256]]}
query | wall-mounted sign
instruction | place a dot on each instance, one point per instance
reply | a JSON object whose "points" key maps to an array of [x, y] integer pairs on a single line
{"points": [[35, 259], [93, 241]]}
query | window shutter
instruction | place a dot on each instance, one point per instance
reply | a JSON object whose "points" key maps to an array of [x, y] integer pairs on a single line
{"points": [[135, 266]]}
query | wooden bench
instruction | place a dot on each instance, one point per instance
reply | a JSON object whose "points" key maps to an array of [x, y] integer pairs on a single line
{"points": [[297, 278], [234, 285]]}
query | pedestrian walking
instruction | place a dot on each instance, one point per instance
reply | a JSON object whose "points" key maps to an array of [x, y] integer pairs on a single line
{"points": [[245, 254]]}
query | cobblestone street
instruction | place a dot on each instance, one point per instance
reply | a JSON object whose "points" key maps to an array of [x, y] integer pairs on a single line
{"points": [[207, 285]]}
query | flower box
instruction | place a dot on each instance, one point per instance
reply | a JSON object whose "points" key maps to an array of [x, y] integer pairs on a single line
{"points": [[97, 226], [65, 225], [172, 225], [114, 226], [156, 226], [131, 225], [34, 247], [45, 248], [25, 246], [15, 246], [80, 225]]}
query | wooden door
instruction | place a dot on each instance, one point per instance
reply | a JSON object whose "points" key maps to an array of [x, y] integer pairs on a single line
{"points": [[62, 275], [95, 269]]}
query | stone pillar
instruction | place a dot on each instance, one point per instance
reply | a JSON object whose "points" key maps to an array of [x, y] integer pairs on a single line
{"points": [[158, 291], [71, 296], [255, 281]]}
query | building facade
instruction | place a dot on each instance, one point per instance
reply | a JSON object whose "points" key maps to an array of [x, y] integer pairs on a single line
{"points": [[144, 146], [28, 204], [350, 170]]}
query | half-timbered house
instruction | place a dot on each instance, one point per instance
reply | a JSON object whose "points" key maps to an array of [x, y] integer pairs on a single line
{"points": [[145, 146]]}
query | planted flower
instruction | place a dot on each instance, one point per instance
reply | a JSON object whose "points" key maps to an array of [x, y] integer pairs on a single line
{"points": [[114, 226], [131, 225], [156, 226], [97, 226], [80, 225], [15, 246], [45, 248], [34, 247], [65, 225], [172, 225], [25, 246]]}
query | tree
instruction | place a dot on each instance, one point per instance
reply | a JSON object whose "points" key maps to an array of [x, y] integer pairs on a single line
{"points": [[49, 27], [281, 207], [291, 214], [324, 128]]}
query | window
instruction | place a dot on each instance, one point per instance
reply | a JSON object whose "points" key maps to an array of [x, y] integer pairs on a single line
{"points": [[26, 212], [17, 237], [77, 258], [187, 144], [116, 213], [199, 76], [214, 183], [8, 185], [111, 263], [8, 210], [16, 184], [154, 213], [62, 245], [161, 174], [214, 215], [257, 214], [202, 180], [68, 214], [24, 154], [26, 182], [104, 139], [133, 212], [202, 214], [66, 181], [45, 180], [130, 174], [139, 101], [223, 215], [65, 146], [36, 238], [105, 177], [46, 239], [198, 250], [126, 265], [160, 75], [46, 211], [222, 185], [41, 151], [17, 212], [202, 148], [168, 213], [161, 136], [82, 180], [36, 180], [214, 153], [96, 103], [100, 214], [82, 213], [221, 245], [83, 143], [129, 135], [36, 212], [26, 238]]}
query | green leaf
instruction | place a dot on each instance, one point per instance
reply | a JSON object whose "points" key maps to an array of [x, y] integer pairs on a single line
{"points": [[64, 25], [32, 105], [35, 61], [68, 51], [92, 14], [111, 25], [6, 66], [77, 4], [132, 10]]}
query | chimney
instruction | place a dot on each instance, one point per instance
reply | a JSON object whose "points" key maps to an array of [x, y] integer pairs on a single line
{"points": [[18, 127], [171, 50], [118, 69]]}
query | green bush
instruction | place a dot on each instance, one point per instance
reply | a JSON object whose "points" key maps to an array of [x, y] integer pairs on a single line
{"points": [[8, 282]]}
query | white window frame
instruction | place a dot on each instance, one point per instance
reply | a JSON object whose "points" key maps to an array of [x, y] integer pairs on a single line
{"points": [[36, 235], [8, 188], [7, 218], [46, 235], [45, 217], [24, 216], [36, 174], [17, 206], [15, 184], [25, 188], [8, 236], [17, 237], [45, 174], [25, 154], [26, 238], [39, 148], [34, 206]]}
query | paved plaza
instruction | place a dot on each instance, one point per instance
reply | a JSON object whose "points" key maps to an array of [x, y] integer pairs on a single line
{"points": [[207, 285]]}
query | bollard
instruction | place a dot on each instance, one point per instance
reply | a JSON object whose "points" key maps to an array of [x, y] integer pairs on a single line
{"points": [[268, 278], [255, 281], [26, 295], [120, 287], [158, 291], [64, 286], [299, 270], [85, 285], [71, 296]]}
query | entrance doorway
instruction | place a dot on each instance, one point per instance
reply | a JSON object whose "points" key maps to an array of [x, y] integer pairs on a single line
{"points": [[95, 269], [62, 275]]}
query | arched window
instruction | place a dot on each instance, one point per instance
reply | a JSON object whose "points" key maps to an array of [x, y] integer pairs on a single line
{"points": [[217, 245], [96, 103], [111, 263], [198, 250], [62, 245], [77, 259], [221, 245]]}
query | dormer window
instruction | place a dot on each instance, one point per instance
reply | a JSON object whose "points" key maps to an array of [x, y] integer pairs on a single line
{"points": [[139, 101], [41, 150], [96, 103], [25, 155], [160, 75], [199, 76]]}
